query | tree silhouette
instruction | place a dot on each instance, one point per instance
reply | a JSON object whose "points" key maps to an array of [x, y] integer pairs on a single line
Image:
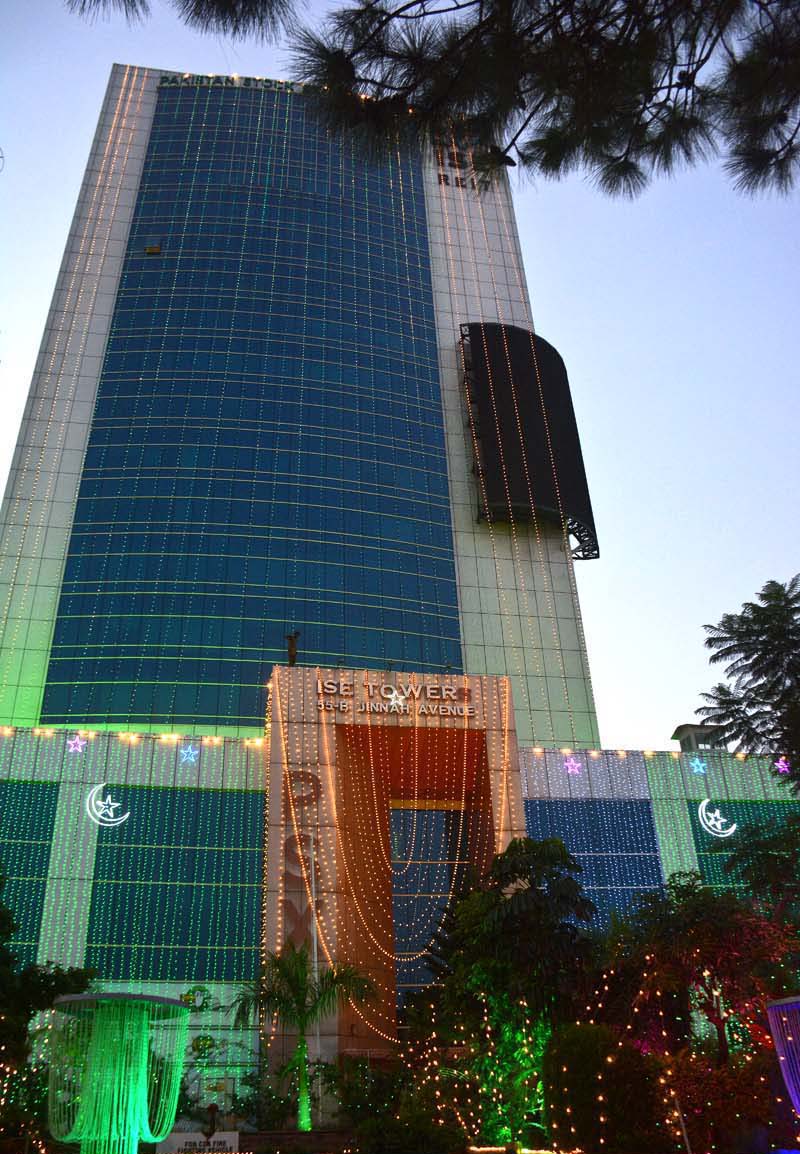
{"points": [[518, 930], [759, 710], [238, 18], [620, 88]]}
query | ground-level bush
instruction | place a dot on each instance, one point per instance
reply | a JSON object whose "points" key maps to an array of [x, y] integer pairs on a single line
{"points": [[735, 1107], [413, 1132], [596, 1089]]}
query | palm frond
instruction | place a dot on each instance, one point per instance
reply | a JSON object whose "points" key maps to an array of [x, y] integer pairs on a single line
{"points": [[740, 719], [339, 984], [287, 987], [760, 649]]}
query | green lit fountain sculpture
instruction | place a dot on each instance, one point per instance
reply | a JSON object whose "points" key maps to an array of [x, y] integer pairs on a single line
{"points": [[116, 1062]]}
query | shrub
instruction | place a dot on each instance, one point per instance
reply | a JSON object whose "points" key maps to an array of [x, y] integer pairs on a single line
{"points": [[596, 1089], [412, 1132], [723, 1105]]}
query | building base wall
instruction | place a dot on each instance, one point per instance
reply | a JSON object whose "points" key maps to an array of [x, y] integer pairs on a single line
{"points": [[171, 864]]}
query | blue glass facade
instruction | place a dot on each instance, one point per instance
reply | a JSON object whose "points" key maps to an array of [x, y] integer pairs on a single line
{"points": [[427, 867], [613, 839], [267, 448]]}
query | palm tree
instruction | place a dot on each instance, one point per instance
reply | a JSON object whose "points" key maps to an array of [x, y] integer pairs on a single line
{"points": [[760, 646], [289, 988]]}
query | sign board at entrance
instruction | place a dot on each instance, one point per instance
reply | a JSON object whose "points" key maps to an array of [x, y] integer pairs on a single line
{"points": [[424, 700], [187, 1142]]}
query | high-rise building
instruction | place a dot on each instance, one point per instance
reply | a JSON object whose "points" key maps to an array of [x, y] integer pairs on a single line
{"points": [[288, 395], [290, 410]]}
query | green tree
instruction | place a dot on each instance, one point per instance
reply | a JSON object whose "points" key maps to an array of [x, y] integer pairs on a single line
{"points": [[288, 988], [24, 992], [483, 1063], [519, 930], [759, 710], [765, 858], [620, 88], [509, 961]]}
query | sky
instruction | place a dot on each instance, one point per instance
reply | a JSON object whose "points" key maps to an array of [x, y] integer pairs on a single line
{"points": [[677, 316]]}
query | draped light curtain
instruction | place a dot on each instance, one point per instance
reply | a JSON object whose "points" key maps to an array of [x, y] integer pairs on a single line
{"points": [[784, 1023]]}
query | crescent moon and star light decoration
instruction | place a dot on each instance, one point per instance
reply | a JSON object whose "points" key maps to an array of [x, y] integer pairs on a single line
{"points": [[101, 810], [713, 822]]}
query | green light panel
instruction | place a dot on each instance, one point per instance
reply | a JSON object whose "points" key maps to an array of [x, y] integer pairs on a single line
{"points": [[27, 814], [712, 851], [680, 782], [177, 887], [137, 855]]}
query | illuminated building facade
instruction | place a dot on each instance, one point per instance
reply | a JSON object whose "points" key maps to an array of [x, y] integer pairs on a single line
{"points": [[286, 391], [170, 865], [383, 788]]}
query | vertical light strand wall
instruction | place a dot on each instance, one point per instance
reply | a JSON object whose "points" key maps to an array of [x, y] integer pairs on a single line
{"points": [[519, 613], [267, 447], [45, 473]]}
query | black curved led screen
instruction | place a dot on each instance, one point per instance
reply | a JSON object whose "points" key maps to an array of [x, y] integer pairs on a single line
{"points": [[529, 452]]}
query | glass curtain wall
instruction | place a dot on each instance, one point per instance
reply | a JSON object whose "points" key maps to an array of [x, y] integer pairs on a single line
{"points": [[267, 449]]}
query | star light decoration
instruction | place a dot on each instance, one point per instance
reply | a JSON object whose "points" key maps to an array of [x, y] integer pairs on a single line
{"points": [[106, 807], [572, 765], [189, 755], [396, 700], [715, 819], [76, 744], [713, 822], [782, 765], [698, 765]]}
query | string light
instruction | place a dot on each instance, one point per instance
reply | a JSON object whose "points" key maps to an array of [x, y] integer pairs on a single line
{"points": [[505, 595], [514, 262], [50, 407], [330, 836]]}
